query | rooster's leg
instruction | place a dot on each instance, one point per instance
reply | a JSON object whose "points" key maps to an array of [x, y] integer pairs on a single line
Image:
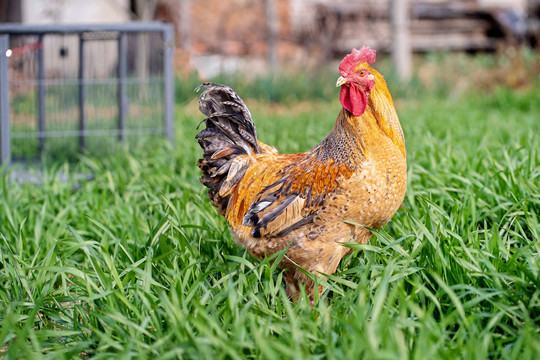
{"points": [[293, 287]]}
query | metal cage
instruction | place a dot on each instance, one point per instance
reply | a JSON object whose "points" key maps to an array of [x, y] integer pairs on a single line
{"points": [[69, 87]]}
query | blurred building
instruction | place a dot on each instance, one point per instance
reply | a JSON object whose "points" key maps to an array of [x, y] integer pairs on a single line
{"points": [[470, 25], [64, 11], [61, 52], [225, 35]]}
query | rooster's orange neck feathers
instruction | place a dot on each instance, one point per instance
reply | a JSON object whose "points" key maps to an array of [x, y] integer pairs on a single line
{"points": [[384, 111], [379, 117]]}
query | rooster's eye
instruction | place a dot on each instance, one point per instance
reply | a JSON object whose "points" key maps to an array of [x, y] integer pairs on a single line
{"points": [[362, 72]]}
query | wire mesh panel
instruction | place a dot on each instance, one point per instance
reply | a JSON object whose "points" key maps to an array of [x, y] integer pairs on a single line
{"points": [[88, 88]]}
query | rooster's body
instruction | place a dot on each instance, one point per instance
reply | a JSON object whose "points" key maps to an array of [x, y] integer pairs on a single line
{"points": [[314, 201]]}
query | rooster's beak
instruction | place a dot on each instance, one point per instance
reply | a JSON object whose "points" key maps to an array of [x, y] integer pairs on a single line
{"points": [[341, 81]]}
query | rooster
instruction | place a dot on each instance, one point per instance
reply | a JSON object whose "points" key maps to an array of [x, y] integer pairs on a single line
{"points": [[309, 203]]}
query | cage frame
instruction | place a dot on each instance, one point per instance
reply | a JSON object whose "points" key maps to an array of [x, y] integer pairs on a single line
{"points": [[122, 29]]}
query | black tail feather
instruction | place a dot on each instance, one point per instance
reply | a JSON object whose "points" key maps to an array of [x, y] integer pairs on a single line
{"points": [[229, 133]]}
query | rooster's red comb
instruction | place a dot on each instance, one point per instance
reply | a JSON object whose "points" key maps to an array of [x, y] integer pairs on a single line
{"points": [[365, 54]]}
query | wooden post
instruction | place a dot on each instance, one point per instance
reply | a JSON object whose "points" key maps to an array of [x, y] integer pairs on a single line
{"points": [[272, 27], [185, 24], [401, 45]]}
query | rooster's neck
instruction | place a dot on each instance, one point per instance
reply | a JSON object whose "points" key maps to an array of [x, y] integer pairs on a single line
{"points": [[353, 137], [384, 112], [342, 145]]}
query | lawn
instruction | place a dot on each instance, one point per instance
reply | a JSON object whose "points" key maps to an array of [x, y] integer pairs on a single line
{"points": [[123, 256]]}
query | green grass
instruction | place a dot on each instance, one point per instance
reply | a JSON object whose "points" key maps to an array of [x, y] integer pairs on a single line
{"points": [[135, 263]]}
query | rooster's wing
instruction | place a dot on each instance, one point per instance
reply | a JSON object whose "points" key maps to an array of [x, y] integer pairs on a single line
{"points": [[291, 189]]}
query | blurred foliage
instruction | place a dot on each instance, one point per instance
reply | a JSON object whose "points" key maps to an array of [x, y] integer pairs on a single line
{"points": [[441, 74], [282, 87]]}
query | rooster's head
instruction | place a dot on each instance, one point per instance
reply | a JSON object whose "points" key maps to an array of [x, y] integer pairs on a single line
{"points": [[356, 79]]}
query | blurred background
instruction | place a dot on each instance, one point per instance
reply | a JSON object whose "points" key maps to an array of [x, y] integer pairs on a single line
{"points": [[224, 36], [272, 50]]}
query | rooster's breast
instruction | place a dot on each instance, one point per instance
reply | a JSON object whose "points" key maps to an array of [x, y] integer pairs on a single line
{"points": [[374, 193]]}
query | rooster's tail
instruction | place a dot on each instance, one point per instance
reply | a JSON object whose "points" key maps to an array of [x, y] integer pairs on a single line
{"points": [[229, 133]]}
